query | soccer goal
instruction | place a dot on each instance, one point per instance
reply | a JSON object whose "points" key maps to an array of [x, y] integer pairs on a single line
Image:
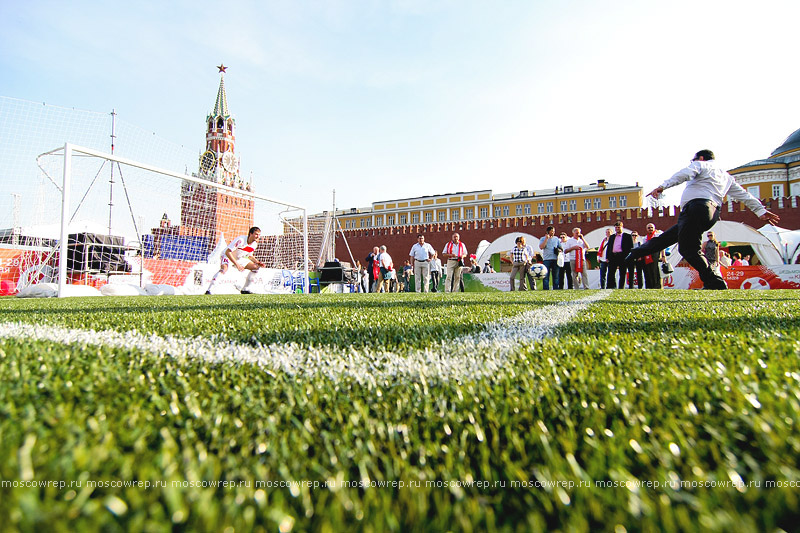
{"points": [[122, 221]]}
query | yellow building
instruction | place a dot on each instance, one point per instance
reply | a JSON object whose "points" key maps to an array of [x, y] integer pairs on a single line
{"points": [[485, 205], [778, 176]]}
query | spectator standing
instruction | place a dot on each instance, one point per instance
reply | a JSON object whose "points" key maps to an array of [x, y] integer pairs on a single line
{"points": [[519, 263], [528, 274], [386, 270], [636, 270], [652, 275], [454, 253], [724, 258], [566, 270], [372, 269], [550, 245], [619, 246], [711, 250], [576, 249], [487, 268], [746, 260], [436, 271], [602, 258], [421, 255], [737, 259], [364, 276]]}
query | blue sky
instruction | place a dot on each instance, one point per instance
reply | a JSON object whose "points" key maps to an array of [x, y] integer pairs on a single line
{"points": [[392, 99]]}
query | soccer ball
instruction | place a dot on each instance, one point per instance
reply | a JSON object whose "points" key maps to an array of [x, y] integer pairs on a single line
{"points": [[755, 283], [538, 271]]}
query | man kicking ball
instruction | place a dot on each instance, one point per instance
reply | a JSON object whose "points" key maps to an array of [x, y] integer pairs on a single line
{"points": [[240, 253]]}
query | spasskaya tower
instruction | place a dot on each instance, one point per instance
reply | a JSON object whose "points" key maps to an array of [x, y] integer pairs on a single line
{"points": [[211, 212]]}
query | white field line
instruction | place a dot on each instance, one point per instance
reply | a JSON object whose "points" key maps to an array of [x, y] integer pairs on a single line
{"points": [[474, 356]]}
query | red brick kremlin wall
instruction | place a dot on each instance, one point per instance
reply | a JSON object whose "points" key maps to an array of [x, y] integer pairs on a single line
{"points": [[400, 239]]}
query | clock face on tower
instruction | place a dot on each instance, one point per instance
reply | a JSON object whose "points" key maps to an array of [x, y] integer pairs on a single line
{"points": [[207, 161], [229, 162]]}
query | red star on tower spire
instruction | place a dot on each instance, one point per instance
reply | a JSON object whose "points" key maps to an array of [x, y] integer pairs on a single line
{"points": [[222, 68]]}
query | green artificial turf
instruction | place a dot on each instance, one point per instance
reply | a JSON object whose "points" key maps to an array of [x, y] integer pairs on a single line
{"points": [[665, 394]]}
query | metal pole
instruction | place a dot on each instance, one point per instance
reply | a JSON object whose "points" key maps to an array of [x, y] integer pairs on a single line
{"points": [[62, 254], [111, 181], [307, 284]]}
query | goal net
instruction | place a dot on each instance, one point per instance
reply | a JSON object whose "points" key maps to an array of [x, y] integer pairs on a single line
{"points": [[126, 222]]}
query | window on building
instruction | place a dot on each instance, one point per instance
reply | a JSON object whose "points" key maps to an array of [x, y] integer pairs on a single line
{"points": [[469, 213], [390, 220], [506, 210], [379, 221], [484, 212], [540, 208], [497, 211], [754, 190], [403, 220], [527, 209], [573, 205], [563, 206], [519, 210], [612, 202], [587, 204], [777, 191], [415, 218], [455, 214], [598, 203], [623, 201], [549, 207], [442, 216], [428, 217]]}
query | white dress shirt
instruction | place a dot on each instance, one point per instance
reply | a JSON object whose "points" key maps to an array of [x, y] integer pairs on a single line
{"points": [[421, 252], [385, 260], [572, 241], [531, 253], [709, 182]]}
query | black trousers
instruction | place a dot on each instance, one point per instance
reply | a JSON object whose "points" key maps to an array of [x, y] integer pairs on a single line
{"points": [[638, 268], [696, 217], [616, 261]]}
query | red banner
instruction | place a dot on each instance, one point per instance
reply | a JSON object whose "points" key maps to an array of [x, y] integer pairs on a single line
{"points": [[749, 277]]}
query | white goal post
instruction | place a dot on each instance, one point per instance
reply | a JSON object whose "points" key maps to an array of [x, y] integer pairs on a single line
{"points": [[130, 196]]}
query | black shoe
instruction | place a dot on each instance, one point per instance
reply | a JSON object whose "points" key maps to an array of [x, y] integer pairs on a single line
{"points": [[208, 292], [245, 291]]}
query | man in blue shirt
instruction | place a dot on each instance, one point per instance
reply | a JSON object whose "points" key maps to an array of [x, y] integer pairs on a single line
{"points": [[551, 247]]}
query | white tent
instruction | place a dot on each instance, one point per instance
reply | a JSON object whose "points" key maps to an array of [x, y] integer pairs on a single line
{"points": [[505, 243], [786, 241], [482, 246], [740, 234]]}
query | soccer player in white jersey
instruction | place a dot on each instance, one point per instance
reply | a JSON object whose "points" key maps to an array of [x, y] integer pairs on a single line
{"points": [[240, 254]]}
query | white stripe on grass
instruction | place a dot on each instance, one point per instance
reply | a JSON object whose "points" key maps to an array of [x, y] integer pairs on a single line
{"points": [[474, 356]]}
